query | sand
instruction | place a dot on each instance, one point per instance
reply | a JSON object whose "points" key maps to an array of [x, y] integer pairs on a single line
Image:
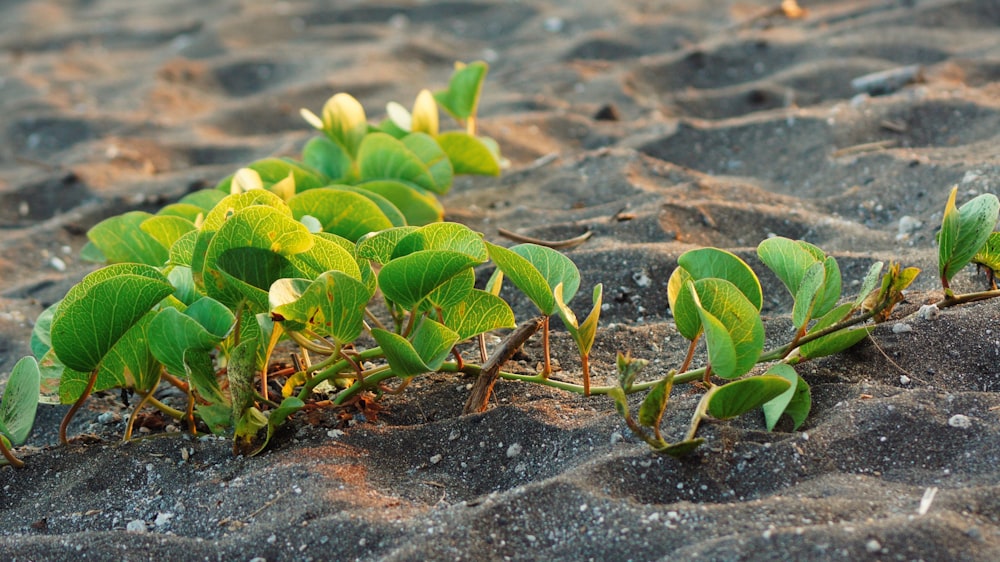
{"points": [[659, 126]]}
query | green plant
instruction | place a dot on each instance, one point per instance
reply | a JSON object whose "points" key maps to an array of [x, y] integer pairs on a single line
{"points": [[17, 408], [341, 260], [716, 295]]}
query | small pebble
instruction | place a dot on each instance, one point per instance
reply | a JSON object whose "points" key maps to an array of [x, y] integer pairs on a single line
{"points": [[514, 450], [960, 421], [873, 546], [929, 312], [108, 418], [903, 379], [901, 328], [136, 526], [163, 519], [436, 459], [57, 264]]}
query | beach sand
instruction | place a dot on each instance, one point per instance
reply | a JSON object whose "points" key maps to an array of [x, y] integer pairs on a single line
{"points": [[659, 126]]}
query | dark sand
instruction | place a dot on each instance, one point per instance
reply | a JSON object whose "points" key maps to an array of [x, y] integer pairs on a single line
{"points": [[731, 123]]}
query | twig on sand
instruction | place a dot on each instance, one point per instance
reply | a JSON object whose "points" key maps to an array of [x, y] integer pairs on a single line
{"points": [[480, 396], [555, 244], [864, 147]]}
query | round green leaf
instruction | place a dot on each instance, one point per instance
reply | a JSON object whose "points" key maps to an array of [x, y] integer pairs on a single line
{"points": [[425, 351], [379, 246], [443, 236], [536, 271], [837, 341], [436, 160], [965, 231], [682, 304], [328, 157], [796, 401], [729, 319], [704, 263], [344, 213], [478, 313], [122, 240], [20, 400], [381, 157], [276, 170], [333, 304], [469, 154], [419, 206], [101, 309], [409, 279], [738, 397]]}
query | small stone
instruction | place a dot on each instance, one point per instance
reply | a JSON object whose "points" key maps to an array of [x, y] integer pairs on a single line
{"points": [[334, 433], [903, 379], [553, 24], [873, 546], [907, 226], [163, 519], [960, 421], [57, 264], [436, 459], [617, 437], [901, 328], [642, 278], [272, 539], [514, 450], [136, 526], [108, 418], [929, 312], [455, 434]]}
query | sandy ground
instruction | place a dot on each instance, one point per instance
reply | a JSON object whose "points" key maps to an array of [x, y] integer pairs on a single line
{"points": [[659, 126]]}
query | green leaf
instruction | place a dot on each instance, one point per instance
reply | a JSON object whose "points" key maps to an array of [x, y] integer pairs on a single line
{"points": [[200, 327], [182, 251], [275, 171], [344, 213], [461, 99], [251, 247], [418, 205], [201, 372], [788, 259], [288, 406], [964, 231], [328, 253], [101, 309], [583, 334], [443, 236], [868, 285], [218, 216], [241, 371], [682, 306], [469, 154], [805, 297], [705, 263], [183, 281], [454, 290], [388, 209], [379, 246], [187, 211], [329, 158], [121, 240], [628, 369], [478, 313], [166, 230], [333, 305], [989, 255], [381, 157], [20, 401], [837, 341], [655, 403], [621, 403], [738, 397], [681, 448], [536, 271], [128, 364], [409, 279], [796, 401], [424, 352], [207, 199], [218, 417], [41, 334], [434, 157], [733, 329]]}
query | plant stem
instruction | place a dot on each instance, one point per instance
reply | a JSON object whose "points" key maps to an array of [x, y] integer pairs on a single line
{"points": [[64, 425], [690, 354], [135, 412], [336, 368], [306, 343], [7, 454], [954, 300], [585, 367], [699, 413], [547, 370], [167, 410], [372, 379]]}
